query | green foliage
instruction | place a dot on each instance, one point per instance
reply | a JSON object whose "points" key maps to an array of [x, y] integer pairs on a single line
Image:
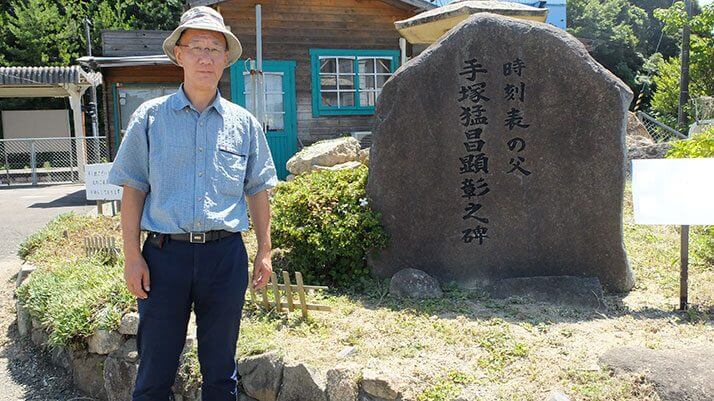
{"points": [[700, 145], [324, 221], [701, 70]]}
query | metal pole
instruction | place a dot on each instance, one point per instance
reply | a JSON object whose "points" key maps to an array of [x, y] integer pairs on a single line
{"points": [[260, 105], [93, 93], [684, 274], [32, 162], [7, 163], [684, 76]]}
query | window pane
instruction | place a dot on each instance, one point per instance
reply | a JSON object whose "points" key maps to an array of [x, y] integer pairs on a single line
{"points": [[328, 82], [327, 65], [381, 79], [347, 81], [366, 81], [275, 121], [131, 98], [273, 82], [345, 65], [366, 98], [347, 99], [384, 65], [329, 98], [274, 103], [366, 65]]}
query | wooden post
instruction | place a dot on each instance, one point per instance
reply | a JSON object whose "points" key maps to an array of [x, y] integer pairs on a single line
{"points": [[288, 290], [301, 294], [276, 292], [250, 288], [266, 303]]}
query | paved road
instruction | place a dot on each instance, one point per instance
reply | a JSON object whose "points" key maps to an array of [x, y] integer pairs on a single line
{"points": [[25, 372]]}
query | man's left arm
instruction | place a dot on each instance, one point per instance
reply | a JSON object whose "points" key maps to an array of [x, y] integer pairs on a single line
{"points": [[260, 176]]}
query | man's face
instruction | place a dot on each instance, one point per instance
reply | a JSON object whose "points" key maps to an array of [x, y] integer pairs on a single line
{"points": [[201, 68]]}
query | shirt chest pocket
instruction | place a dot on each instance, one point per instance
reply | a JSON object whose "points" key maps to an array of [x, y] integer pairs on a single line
{"points": [[230, 163]]}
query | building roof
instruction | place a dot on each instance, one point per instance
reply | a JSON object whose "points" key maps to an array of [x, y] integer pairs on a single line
{"points": [[42, 76], [123, 61], [419, 4]]}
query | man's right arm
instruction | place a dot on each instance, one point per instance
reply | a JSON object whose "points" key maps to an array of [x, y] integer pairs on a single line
{"points": [[136, 272]]}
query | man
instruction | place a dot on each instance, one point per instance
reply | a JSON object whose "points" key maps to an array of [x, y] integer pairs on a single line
{"points": [[187, 164]]}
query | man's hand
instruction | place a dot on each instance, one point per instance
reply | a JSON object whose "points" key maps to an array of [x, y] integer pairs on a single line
{"points": [[136, 275], [262, 268]]}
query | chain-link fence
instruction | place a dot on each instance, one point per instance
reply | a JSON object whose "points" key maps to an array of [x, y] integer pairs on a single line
{"points": [[658, 130], [49, 160]]}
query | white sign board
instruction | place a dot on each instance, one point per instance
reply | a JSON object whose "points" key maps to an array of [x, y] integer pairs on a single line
{"points": [[95, 176], [673, 191]]}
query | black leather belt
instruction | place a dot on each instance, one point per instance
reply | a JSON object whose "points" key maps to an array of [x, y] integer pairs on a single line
{"points": [[193, 237]]}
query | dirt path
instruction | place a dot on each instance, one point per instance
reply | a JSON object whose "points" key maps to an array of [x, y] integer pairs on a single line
{"points": [[25, 371]]}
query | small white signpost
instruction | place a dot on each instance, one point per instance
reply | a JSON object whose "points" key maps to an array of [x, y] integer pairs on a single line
{"points": [[676, 192], [97, 187]]}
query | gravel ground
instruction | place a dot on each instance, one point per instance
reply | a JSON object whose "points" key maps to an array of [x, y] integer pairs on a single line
{"points": [[26, 372]]}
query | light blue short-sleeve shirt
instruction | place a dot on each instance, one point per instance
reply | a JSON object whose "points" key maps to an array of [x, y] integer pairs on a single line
{"points": [[196, 168]]}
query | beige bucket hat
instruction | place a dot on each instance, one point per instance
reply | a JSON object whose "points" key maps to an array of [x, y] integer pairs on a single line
{"points": [[203, 18]]}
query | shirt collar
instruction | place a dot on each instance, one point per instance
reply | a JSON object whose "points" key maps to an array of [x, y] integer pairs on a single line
{"points": [[181, 101]]}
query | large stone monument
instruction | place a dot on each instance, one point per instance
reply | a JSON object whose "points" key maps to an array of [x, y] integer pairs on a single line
{"points": [[499, 152]]}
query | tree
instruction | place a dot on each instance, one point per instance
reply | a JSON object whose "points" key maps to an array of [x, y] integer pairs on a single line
{"points": [[665, 99]]}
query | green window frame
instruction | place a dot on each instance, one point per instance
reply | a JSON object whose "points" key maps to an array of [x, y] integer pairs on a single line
{"points": [[348, 81]]}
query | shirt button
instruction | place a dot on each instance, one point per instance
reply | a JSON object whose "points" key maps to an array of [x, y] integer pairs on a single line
{"points": [[200, 149], [200, 173], [201, 123]]}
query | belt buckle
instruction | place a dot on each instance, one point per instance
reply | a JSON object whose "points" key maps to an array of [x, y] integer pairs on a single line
{"points": [[197, 238]]}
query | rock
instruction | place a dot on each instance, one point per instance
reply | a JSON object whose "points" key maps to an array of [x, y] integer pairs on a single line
{"points": [[119, 378], [290, 177], [61, 356], [88, 373], [338, 167], [557, 396], [379, 385], [567, 290], [324, 153], [261, 375], [39, 336], [347, 351], [541, 195], [129, 324], [24, 321], [413, 283], [363, 156], [300, 383], [677, 375], [245, 397], [127, 351], [104, 341], [25, 270], [640, 149], [343, 383], [635, 127]]}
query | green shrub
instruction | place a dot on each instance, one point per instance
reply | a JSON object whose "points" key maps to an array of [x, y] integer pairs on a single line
{"points": [[700, 145], [323, 219]]}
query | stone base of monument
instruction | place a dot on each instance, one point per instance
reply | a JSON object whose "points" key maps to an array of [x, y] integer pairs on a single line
{"points": [[565, 290]]}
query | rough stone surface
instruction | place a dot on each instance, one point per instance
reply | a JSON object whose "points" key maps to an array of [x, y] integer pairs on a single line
{"points": [[25, 270], [564, 218], [88, 373], [300, 383], [677, 375], [635, 127], [379, 385], [557, 396], [129, 324], [61, 356], [261, 375], [105, 341], [337, 167], [568, 290], [343, 383], [24, 322], [413, 283], [324, 153], [39, 336], [641, 148], [127, 351], [119, 378], [364, 156]]}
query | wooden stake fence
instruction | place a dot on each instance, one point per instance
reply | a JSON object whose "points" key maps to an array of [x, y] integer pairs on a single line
{"points": [[289, 290]]}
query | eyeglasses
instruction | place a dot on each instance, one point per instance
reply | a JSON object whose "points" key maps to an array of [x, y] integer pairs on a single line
{"points": [[198, 51]]}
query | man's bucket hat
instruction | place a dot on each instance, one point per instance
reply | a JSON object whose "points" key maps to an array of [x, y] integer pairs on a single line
{"points": [[203, 18]]}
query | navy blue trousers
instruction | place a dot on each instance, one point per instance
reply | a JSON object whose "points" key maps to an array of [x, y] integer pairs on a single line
{"points": [[213, 277]]}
